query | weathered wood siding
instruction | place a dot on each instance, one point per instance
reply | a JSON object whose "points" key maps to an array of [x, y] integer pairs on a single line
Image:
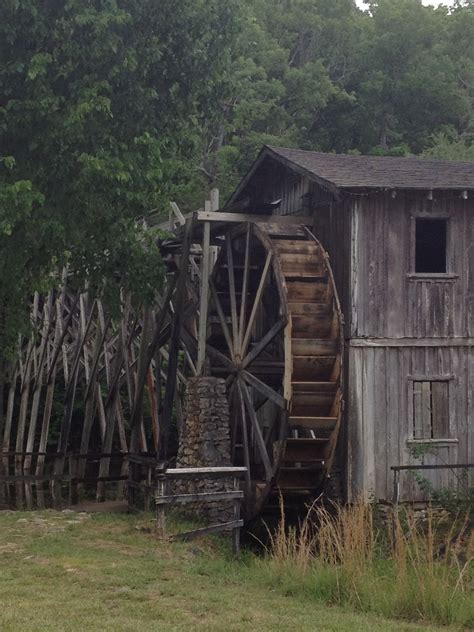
{"points": [[389, 303], [381, 422], [407, 314], [370, 241], [272, 182]]}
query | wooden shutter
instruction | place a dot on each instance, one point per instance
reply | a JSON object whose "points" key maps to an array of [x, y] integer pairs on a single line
{"points": [[430, 409]]}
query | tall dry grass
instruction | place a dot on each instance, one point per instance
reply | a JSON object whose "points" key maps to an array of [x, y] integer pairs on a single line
{"points": [[404, 567]]}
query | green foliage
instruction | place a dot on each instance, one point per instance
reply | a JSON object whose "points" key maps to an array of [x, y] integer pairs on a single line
{"points": [[110, 572], [405, 567], [96, 98], [110, 107], [458, 502], [450, 145], [327, 76]]}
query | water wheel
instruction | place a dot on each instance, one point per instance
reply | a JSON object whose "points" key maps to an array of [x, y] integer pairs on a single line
{"points": [[275, 335]]}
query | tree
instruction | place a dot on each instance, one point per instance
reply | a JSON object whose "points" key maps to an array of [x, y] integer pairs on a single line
{"points": [[449, 145], [327, 76], [98, 100]]}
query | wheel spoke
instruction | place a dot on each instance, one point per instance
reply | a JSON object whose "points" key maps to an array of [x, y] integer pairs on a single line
{"points": [[233, 300], [263, 343], [220, 313], [258, 432], [245, 282], [221, 357], [258, 297], [264, 389], [245, 439]]}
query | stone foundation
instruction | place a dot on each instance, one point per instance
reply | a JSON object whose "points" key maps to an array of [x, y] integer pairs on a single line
{"points": [[205, 442]]}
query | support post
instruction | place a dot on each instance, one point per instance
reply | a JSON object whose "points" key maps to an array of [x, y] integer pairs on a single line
{"points": [[174, 341], [214, 208], [204, 299]]}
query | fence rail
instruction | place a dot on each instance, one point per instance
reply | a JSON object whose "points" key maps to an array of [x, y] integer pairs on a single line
{"points": [[164, 499], [396, 469], [23, 472]]}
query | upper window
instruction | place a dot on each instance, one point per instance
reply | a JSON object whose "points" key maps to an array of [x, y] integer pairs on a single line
{"points": [[430, 245]]}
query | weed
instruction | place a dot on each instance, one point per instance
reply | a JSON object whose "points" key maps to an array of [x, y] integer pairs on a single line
{"points": [[410, 569]]}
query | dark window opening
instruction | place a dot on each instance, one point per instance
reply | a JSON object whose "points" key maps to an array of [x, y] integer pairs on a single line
{"points": [[430, 409], [430, 247]]}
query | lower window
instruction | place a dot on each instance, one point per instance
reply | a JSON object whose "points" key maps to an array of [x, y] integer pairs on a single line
{"points": [[430, 409]]}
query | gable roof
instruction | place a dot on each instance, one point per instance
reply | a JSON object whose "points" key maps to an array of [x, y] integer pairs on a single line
{"points": [[343, 171], [347, 171]]}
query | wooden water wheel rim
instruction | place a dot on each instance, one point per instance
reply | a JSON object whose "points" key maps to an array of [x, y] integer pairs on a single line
{"points": [[251, 347]]}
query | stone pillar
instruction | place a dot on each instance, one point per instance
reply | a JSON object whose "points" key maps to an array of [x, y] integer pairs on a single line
{"points": [[205, 442]]}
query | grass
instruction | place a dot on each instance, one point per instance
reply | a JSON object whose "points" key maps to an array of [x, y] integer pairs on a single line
{"points": [[409, 569], [64, 571]]}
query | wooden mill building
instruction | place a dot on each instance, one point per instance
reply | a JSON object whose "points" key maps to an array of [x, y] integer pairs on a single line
{"points": [[400, 237]]}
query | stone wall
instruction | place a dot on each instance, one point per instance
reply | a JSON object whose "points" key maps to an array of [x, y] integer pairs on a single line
{"points": [[205, 442]]}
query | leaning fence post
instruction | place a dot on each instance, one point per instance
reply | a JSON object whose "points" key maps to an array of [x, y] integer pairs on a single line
{"points": [[160, 508]]}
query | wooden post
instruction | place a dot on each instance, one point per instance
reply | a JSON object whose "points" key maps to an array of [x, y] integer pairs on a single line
{"points": [[73, 495], [131, 490], [204, 298], [170, 389], [146, 491], [396, 487], [160, 509], [236, 531], [214, 208]]}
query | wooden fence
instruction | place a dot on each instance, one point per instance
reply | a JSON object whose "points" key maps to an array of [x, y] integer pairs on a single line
{"points": [[164, 498]]}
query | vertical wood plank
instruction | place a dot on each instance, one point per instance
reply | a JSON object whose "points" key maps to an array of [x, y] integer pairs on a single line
{"points": [[417, 393], [440, 410], [426, 413]]}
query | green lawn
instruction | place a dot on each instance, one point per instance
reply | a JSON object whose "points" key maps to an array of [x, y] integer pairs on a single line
{"points": [[65, 571]]}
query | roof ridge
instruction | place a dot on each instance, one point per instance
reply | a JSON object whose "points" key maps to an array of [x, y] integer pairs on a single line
{"points": [[421, 159]]}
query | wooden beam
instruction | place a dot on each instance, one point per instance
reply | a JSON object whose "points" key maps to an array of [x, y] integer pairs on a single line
{"points": [[245, 440], [263, 343], [205, 472], [221, 315], [257, 430], [411, 342], [168, 400], [264, 389], [177, 213], [182, 499], [216, 528], [256, 302], [245, 281], [204, 298], [239, 218], [233, 300]]}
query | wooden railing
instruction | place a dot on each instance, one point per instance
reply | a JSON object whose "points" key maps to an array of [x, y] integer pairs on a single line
{"points": [[396, 469], [24, 475], [143, 472], [164, 498]]}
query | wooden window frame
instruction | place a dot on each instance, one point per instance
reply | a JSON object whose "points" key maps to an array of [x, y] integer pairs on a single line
{"points": [[423, 276], [449, 379]]}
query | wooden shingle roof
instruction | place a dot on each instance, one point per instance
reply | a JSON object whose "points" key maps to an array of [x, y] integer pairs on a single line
{"points": [[343, 171]]}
